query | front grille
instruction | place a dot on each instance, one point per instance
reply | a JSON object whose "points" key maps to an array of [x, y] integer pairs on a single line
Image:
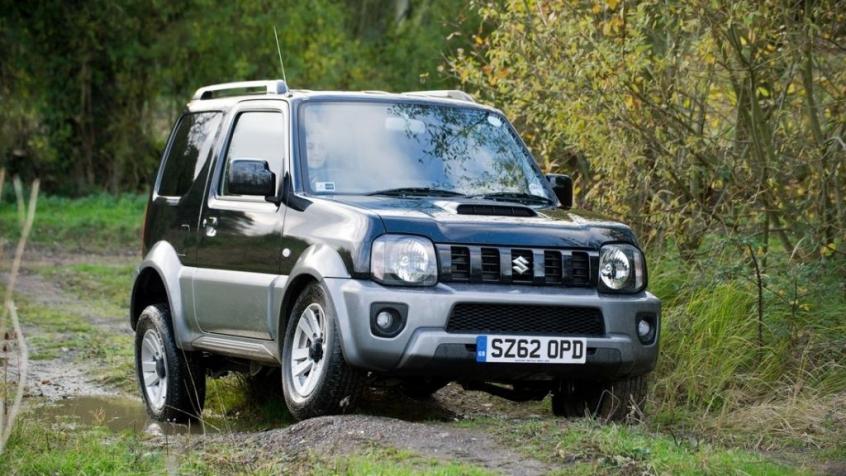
{"points": [[580, 266], [538, 267], [485, 318], [552, 267], [460, 263], [490, 264]]}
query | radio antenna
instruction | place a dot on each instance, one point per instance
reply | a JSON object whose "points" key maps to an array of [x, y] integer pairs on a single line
{"points": [[279, 50]]}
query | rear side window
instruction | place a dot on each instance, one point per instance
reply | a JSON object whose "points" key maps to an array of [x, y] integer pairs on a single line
{"points": [[258, 135], [188, 152]]}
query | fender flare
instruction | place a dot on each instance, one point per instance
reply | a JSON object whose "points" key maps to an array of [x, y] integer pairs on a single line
{"points": [[163, 260], [317, 263]]}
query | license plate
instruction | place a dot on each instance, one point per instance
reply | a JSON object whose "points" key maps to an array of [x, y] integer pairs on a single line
{"points": [[527, 349]]}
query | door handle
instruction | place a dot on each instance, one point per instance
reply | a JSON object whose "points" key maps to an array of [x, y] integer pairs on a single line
{"points": [[209, 223]]}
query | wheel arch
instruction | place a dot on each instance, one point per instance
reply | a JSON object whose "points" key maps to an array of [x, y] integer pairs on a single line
{"points": [[149, 288], [159, 280], [315, 264], [293, 290]]}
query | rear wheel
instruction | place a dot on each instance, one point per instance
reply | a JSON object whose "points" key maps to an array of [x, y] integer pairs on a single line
{"points": [[173, 383], [612, 401], [316, 379]]}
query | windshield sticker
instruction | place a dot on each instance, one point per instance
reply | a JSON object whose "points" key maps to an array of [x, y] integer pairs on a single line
{"points": [[494, 121], [324, 186]]}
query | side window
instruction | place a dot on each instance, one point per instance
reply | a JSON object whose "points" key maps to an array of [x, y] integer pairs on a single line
{"points": [[257, 136], [188, 153]]}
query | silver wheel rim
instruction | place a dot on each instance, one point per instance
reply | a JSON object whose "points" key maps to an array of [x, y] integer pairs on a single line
{"points": [[154, 369], [307, 350]]}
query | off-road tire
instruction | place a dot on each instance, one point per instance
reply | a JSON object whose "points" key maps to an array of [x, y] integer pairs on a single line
{"points": [[422, 388], [185, 375], [339, 387], [620, 400]]}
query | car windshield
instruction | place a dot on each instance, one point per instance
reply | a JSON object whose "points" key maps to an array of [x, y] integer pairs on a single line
{"points": [[415, 150]]}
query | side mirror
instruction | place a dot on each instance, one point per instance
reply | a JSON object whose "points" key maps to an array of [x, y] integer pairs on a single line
{"points": [[251, 177], [562, 185]]}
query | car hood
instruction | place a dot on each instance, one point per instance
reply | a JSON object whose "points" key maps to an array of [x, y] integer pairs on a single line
{"points": [[439, 220]]}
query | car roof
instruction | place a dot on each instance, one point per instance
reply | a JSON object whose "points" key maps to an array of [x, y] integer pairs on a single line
{"points": [[205, 99]]}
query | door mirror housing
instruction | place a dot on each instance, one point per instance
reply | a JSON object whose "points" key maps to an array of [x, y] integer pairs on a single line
{"points": [[562, 185], [251, 177]]}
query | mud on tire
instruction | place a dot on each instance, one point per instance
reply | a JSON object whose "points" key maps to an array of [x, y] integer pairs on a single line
{"points": [[180, 375]]}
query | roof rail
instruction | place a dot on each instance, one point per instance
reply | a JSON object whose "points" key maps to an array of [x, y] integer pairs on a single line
{"points": [[275, 86], [444, 93]]}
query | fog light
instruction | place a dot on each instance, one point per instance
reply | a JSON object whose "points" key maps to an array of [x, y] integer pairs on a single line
{"points": [[643, 329], [384, 320], [387, 319], [646, 327]]}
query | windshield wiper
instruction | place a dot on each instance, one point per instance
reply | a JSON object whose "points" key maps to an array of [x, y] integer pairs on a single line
{"points": [[417, 191], [514, 197]]}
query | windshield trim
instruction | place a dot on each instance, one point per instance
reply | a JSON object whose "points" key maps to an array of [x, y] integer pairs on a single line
{"points": [[302, 170]]}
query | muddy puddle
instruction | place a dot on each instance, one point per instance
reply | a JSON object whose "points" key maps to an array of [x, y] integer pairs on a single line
{"points": [[119, 414]]}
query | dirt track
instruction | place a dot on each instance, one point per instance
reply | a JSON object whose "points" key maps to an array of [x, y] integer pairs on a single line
{"points": [[346, 434], [391, 420]]}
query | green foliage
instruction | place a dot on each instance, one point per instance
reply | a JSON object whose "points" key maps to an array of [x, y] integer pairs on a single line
{"points": [[104, 285], [96, 223], [710, 127], [38, 448], [715, 376], [591, 447], [90, 89], [683, 117]]}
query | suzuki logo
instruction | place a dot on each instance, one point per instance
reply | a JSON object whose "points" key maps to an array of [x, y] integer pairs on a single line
{"points": [[521, 265]]}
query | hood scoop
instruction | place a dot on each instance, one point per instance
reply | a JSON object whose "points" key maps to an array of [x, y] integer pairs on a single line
{"points": [[494, 210]]}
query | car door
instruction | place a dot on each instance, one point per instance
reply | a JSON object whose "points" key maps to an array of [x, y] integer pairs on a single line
{"points": [[241, 236], [181, 183]]}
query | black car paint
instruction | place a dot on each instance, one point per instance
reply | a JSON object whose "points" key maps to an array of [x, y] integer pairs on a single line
{"points": [[252, 234]]}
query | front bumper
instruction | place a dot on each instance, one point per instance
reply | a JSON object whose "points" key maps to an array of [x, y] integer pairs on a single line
{"points": [[424, 346]]}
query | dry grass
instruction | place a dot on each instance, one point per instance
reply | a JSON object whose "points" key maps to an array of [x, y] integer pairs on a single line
{"points": [[14, 348]]}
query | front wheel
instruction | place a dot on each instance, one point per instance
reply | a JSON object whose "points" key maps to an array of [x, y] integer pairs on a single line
{"points": [[172, 382], [316, 380], [619, 400]]}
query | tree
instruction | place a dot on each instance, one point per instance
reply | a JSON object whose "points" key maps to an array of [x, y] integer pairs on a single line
{"points": [[91, 88], [683, 117]]}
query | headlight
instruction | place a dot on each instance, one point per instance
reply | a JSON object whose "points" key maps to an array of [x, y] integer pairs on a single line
{"points": [[405, 260], [621, 268]]}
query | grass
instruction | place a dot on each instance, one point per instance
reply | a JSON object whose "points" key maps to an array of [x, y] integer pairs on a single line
{"points": [[237, 402], [392, 461], [217, 458], [94, 224], [60, 331], [591, 447], [105, 286], [715, 378], [36, 448]]}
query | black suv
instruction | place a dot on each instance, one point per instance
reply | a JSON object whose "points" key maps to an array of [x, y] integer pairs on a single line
{"points": [[354, 238]]}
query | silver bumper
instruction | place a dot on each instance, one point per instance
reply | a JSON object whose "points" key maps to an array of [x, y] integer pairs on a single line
{"points": [[424, 346]]}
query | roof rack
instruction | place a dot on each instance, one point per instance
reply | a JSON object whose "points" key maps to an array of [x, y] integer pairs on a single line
{"points": [[275, 86], [444, 93]]}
